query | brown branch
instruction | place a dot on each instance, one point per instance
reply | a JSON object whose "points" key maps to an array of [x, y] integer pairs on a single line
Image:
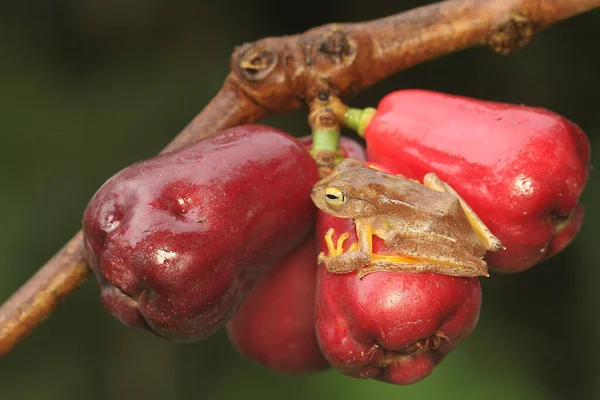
{"points": [[228, 108], [277, 75]]}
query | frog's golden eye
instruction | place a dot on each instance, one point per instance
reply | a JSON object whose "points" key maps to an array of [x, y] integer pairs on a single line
{"points": [[334, 196]]}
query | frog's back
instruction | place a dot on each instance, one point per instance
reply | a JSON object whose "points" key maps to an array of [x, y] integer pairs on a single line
{"points": [[427, 209], [422, 199], [403, 201]]}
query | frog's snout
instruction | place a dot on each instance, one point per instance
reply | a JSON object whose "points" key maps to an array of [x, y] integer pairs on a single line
{"points": [[315, 195]]}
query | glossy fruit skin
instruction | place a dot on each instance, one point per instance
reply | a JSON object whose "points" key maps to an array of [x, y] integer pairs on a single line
{"points": [[275, 326], [370, 328], [522, 169], [178, 241]]}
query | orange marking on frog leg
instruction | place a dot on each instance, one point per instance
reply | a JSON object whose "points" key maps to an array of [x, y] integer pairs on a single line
{"points": [[405, 264], [401, 259], [393, 263], [398, 259]]}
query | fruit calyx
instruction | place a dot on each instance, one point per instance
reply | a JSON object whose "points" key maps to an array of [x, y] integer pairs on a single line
{"points": [[357, 119], [389, 357], [433, 342]]}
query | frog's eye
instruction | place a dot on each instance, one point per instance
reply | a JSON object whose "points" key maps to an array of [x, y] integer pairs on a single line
{"points": [[334, 196]]}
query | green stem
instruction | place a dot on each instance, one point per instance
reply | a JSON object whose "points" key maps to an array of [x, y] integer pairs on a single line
{"points": [[357, 119], [326, 139]]}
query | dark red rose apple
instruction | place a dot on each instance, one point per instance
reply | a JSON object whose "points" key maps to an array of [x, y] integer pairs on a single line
{"points": [[521, 169], [178, 241], [390, 326], [275, 326]]}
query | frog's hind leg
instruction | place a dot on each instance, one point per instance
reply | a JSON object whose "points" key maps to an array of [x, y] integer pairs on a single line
{"points": [[393, 265], [417, 254], [491, 242]]}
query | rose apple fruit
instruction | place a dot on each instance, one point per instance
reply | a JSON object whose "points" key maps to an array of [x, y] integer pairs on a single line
{"points": [[178, 241], [521, 169], [275, 326], [390, 326]]}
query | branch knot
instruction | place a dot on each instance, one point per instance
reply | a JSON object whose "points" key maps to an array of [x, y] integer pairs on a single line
{"points": [[337, 45], [512, 34], [256, 63]]}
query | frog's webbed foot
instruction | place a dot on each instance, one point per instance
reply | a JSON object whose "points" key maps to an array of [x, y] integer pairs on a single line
{"points": [[399, 263], [491, 242], [339, 262]]}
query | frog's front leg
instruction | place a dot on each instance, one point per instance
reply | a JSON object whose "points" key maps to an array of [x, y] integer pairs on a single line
{"points": [[357, 256], [491, 242]]}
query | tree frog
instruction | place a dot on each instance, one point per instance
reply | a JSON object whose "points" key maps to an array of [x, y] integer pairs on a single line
{"points": [[429, 225]]}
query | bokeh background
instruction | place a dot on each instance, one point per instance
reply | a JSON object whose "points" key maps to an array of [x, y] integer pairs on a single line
{"points": [[88, 87]]}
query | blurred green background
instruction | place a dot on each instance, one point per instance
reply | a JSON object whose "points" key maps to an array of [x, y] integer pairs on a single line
{"points": [[88, 87]]}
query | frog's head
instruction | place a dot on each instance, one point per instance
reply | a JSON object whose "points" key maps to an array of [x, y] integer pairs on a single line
{"points": [[343, 193]]}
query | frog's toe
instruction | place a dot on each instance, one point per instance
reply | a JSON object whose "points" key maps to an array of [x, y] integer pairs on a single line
{"points": [[329, 242], [336, 248], [339, 249]]}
